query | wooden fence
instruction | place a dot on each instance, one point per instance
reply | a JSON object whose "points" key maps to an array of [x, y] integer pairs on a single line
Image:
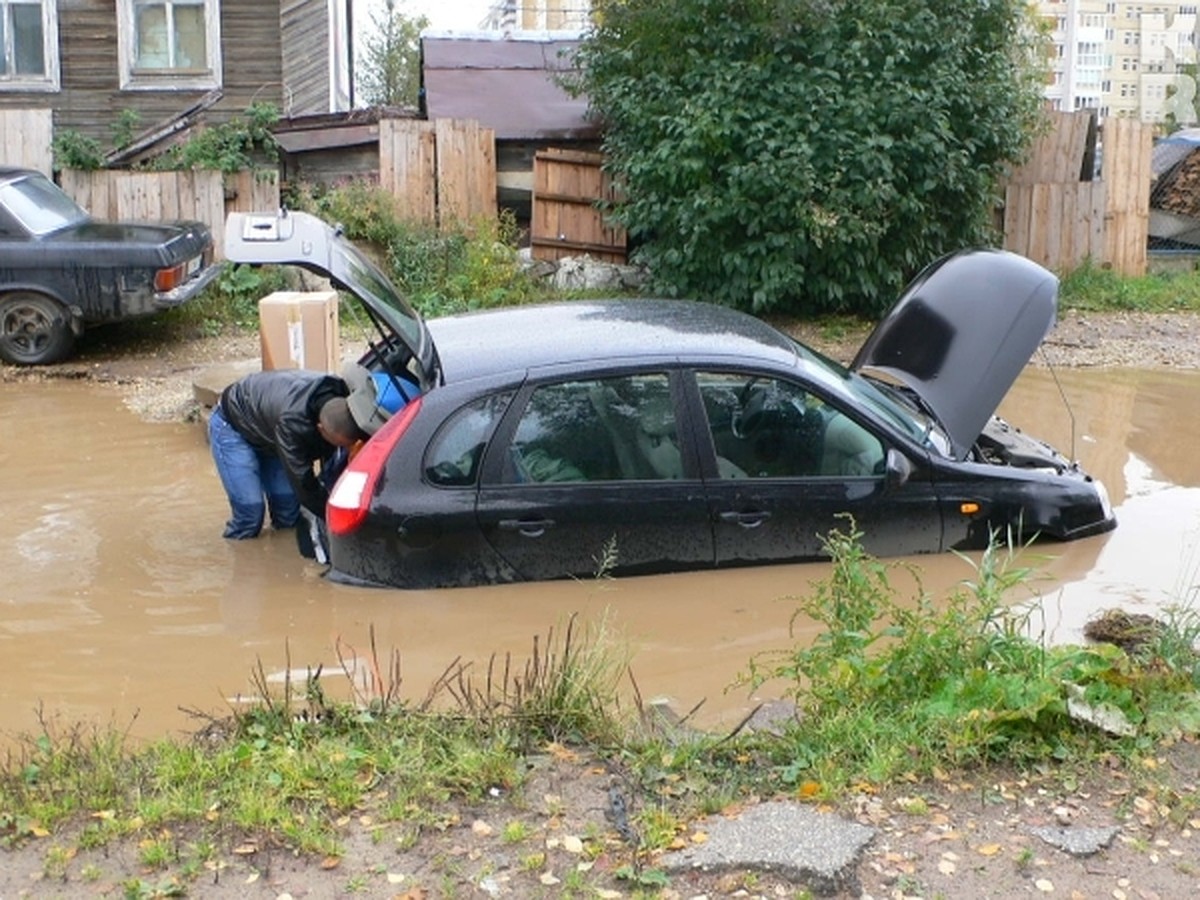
{"points": [[1055, 214], [439, 172], [149, 196], [566, 220]]}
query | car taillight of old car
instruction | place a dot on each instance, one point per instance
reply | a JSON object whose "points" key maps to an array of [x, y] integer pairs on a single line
{"points": [[351, 496], [169, 279]]}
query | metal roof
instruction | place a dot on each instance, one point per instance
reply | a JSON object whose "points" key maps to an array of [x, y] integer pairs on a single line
{"points": [[506, 83]]}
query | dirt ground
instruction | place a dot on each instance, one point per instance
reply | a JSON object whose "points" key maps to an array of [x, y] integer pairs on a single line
{"points": [[956, 837]]}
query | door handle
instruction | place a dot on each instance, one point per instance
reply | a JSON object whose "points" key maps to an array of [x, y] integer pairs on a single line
{"points": [[745, 520], [527, 527]]}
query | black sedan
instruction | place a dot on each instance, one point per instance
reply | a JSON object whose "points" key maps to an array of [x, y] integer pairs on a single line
{"points": [[60, 270], [643, 436]]}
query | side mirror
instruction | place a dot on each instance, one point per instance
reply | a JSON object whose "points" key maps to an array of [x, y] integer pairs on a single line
{"points": [[899, 468]]}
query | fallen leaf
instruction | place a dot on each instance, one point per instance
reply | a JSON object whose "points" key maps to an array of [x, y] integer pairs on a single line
{"points": [[946, 867], [251, 878], [331, 862], [1045, 885], [699, 837], [572, 844], [395, 877], [809, 789], [548, 879], [561, 753], [245, 849], [481, 828], [988, 849]]}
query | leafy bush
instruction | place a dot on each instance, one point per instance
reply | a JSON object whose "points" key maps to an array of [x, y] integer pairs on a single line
{"points": [[807, 157], [74, 150], [241, 143]]}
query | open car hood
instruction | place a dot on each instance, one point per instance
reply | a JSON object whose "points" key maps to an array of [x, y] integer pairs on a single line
{"points": [[301, 239], [961, 333]]}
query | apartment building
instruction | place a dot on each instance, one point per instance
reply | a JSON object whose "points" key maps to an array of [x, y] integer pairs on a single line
{"points": [[1125, 59], [538, 15]]}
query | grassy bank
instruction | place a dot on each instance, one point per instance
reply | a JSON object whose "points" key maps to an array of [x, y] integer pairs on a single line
{"points": [[894, 690]]}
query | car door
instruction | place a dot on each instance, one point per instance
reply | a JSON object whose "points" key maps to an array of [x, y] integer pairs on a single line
{"points": [[593, 478], [790, 465]]}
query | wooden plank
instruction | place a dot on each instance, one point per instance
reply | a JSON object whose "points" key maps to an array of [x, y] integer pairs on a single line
{"points": [[466, 171], [26, 136], [408, 167], [1127, 174]]}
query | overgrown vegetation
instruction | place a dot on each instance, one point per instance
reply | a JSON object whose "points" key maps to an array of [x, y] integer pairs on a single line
{"points": [[811, 159], [890, 691], [1093, 288], [471, 265], [243, 142]]}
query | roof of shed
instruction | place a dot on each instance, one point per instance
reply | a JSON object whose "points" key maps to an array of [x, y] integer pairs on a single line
{"points": [[506, 83]]}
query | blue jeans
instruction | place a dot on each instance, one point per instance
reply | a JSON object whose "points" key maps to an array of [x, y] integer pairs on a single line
{"points": [[249, 475]]}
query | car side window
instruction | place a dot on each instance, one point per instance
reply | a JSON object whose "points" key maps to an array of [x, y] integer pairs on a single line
{"points": [[609, 429], [456, 451], [764, 427]]}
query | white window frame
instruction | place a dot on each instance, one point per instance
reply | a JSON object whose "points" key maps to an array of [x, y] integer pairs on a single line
{"points": [[49, 79], [135, 79]]}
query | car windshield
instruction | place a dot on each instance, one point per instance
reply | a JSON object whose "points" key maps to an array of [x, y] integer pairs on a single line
{"points": [[39, 205], [886, 401]]}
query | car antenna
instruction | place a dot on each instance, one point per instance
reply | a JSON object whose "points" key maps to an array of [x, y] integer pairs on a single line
{"points": [[1062, 393]]}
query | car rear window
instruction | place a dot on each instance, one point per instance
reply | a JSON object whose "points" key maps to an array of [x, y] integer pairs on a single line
{"points": [[39, 205]]}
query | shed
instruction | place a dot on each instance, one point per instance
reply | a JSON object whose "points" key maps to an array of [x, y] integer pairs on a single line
{"points": [[509, 83]]}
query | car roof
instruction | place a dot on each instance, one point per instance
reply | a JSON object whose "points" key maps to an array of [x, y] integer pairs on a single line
{"points": [[12, 173], [520, 338]]}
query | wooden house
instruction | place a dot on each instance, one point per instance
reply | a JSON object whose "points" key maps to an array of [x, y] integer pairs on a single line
{"points": [[174, 61]]}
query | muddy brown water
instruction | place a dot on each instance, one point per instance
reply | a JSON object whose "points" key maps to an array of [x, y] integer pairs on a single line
{"points": [[121, 603]]}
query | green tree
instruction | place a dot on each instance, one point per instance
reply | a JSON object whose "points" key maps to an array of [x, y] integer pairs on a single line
{"points": [[807, 155], [390, 70]]}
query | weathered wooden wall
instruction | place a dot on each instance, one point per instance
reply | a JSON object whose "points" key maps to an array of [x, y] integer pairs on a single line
{"points": [[304, 26], [90, 97], [149, 196], [25, 138], [442, 171], [1057, 216], [567, 185]]}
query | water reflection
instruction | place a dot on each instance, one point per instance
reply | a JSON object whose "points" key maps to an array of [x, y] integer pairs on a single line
{"points": [[120, 597]]}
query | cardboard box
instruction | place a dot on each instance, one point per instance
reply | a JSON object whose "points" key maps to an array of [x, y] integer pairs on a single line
{"points": [[299, 330]]}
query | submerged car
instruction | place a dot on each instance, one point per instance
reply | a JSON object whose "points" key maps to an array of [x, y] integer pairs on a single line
{"points": [[61, 270], [640, 436]]}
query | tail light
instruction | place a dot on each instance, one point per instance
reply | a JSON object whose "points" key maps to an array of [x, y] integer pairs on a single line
{"points": [[169, 279], [351, 496]]}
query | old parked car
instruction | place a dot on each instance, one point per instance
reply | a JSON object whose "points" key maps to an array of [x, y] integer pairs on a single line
{"points": [[61, 270], [664, 435]]}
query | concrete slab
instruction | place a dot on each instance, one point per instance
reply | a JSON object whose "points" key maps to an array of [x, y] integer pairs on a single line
{"points": [[818, 850], [210, 381]]}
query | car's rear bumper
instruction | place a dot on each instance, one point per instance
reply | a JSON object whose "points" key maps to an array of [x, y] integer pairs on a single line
{"points": [[189, 289]]}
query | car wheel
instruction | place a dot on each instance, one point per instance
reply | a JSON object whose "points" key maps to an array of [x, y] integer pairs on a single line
{"points": [[34, 330]]}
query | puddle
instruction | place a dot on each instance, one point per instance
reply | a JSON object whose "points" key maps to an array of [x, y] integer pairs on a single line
{"points": [[120, 601]]}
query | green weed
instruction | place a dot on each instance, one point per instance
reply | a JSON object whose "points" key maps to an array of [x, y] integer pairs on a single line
{"points": [[1092, 288]]}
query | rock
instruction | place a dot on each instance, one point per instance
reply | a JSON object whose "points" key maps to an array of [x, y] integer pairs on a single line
{"points": [[1077, 841]]}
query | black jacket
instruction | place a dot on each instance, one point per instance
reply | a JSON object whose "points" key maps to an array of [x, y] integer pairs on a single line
{"points": [[277, 411]]}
